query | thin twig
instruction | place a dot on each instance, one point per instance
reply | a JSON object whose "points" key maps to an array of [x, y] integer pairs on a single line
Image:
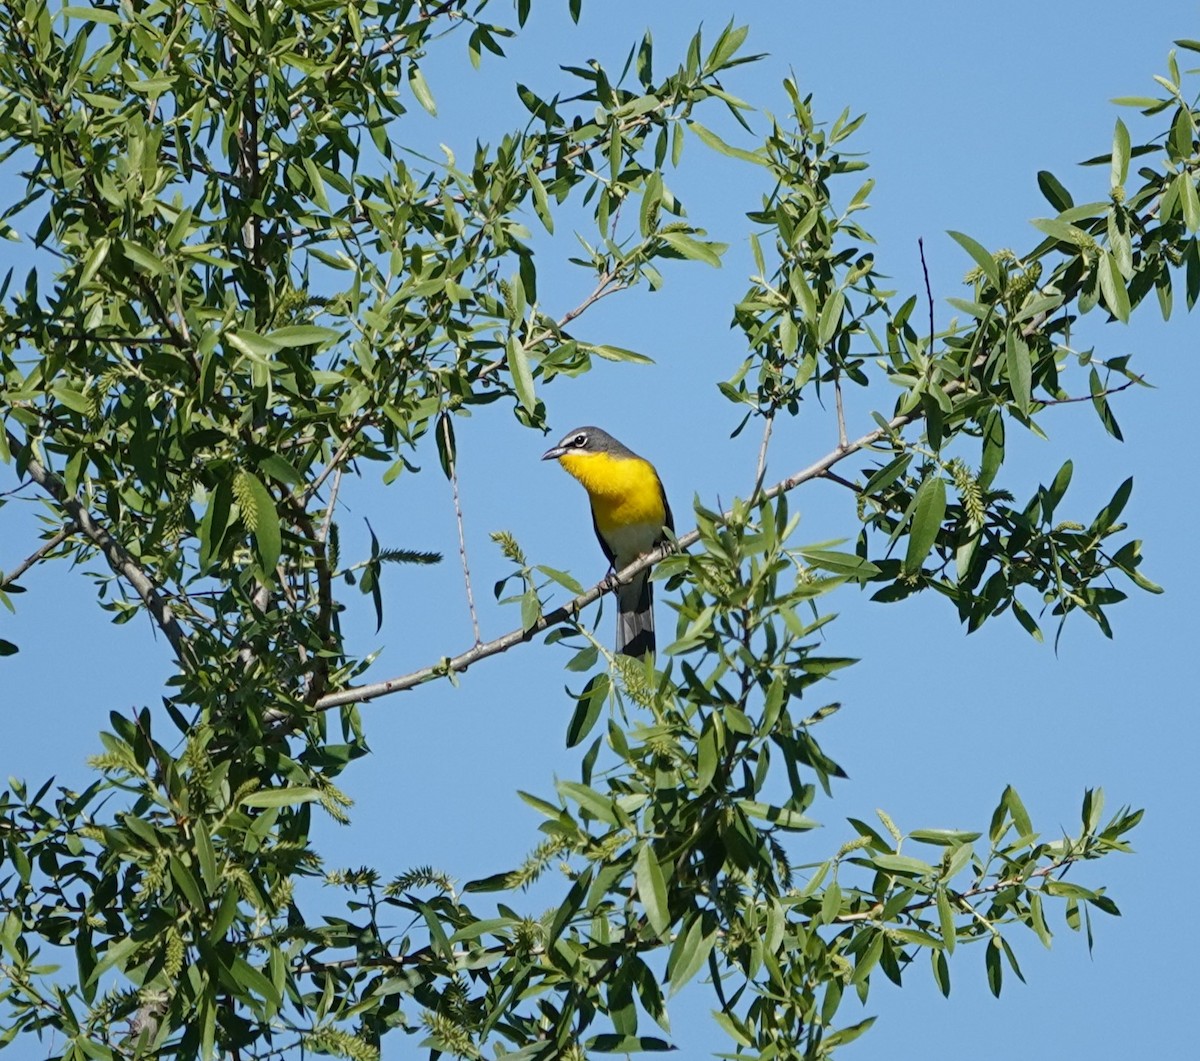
{"points": [[833, 477], [761, 470], [841, 412], [928, 291], [335, 462], [970, 893], [603, 288], [452, 465], [114, 552], [1099, 394], [327, 522], [50, 545]]}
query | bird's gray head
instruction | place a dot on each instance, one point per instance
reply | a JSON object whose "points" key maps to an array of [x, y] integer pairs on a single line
{"points": [[583, 440]]}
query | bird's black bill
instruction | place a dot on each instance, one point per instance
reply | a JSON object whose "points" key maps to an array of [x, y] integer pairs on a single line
{"points": [[553, 454]]}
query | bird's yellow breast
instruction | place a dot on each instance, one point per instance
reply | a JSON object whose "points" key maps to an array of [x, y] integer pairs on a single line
{"points": [[624, 491]]}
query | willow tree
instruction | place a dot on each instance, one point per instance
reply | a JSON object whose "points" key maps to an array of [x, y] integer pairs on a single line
{"points": [[237, 290]]}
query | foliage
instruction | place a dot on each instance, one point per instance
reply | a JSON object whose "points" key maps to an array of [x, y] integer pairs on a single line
{"points": [[244, 289]]}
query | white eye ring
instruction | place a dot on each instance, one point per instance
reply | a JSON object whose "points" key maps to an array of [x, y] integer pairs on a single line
{"points": [[579, 441]]}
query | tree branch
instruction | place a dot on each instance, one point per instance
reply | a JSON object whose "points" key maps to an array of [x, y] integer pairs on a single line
{"points": [[452, 463], [841, 410], [50, 545], [604, 286], [962, 897], [114, 552], [928, 292], [760, 470], [566, 612], [1099, 394]]}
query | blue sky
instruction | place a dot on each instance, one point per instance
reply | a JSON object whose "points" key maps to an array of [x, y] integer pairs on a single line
{"points": [[962, 113]]}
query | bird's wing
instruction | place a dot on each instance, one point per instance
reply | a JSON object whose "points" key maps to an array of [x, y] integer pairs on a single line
{"points": [[612, 557], [669, 522]]}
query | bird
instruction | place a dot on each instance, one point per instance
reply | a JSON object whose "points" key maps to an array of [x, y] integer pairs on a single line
{"points": [[629, 514]]}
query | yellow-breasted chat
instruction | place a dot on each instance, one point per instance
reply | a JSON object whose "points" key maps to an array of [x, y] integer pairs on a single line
{"points": [[629, 512]]}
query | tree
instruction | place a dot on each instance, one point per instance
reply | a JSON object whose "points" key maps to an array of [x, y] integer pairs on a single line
{"points": [[244, 291]]}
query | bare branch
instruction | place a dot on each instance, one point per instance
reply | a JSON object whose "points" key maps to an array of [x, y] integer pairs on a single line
{"points": [[458, 516], [604, 286], [928, 291], [48, 547], [1099, 394], [327, 522], [841, 411], [335, 463], [114, 552], [761, 469], [833, 477]]}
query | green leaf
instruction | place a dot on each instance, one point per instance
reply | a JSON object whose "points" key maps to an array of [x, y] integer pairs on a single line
{"points": [[1020, 816], [830, 318], [995, 974], [215, 523], [416, 82], [689, 953], [1120, 155], [686, 247], [993, 448], [1056, 195], [780, 816], [982, 257], [928, 512], [281, 797], [1020, 369], [730, 40], [652, 889], [943, 837], [115, 956], [1112, 286], [946, 920], [831, 903], [1189, 200], [252, 344], [903, 864], [568, 582], [540, 805], [610, 1043], [847, 1034], [438, 940], [267, 537], [710, 138], [253, 980], [91, 14], [708, 753], [280, 469], [541, 202], [733, 1027], [70, 397], [1063, 230], [597, 805], [856, 567], [522, 377], [617, 353], [588, 706], [186, 882], [303, 335]]}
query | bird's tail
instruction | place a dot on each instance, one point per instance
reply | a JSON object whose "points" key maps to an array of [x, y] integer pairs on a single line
{"points": [[635, 616]]}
